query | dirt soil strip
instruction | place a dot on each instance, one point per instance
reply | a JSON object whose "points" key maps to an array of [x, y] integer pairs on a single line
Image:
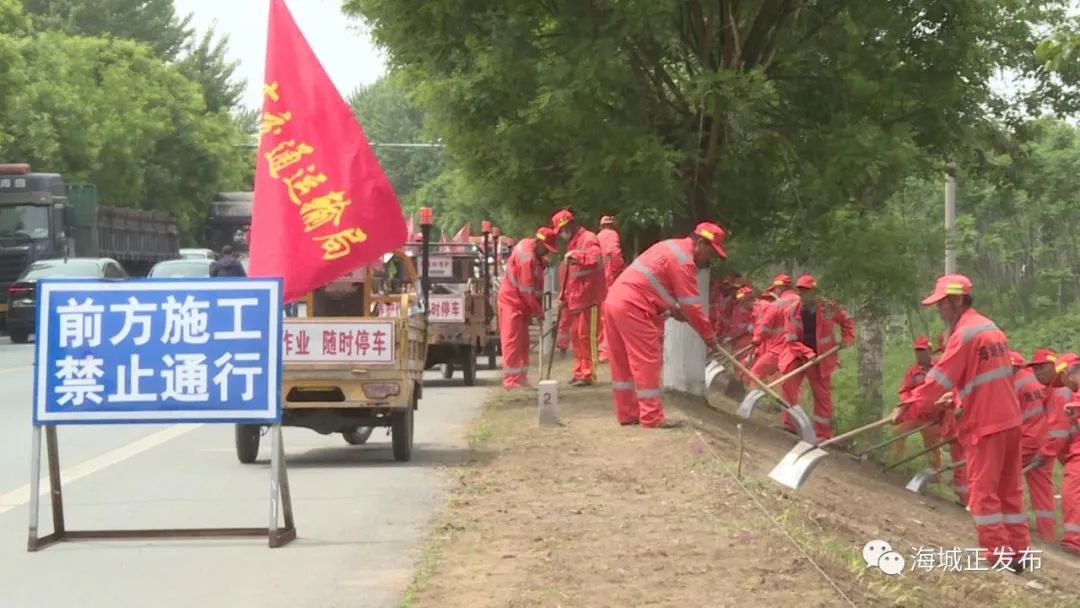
{"points": [[594, 514]]}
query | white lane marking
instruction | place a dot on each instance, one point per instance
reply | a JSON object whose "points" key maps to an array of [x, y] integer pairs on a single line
{"points": [[21, 495], [18, 368]]}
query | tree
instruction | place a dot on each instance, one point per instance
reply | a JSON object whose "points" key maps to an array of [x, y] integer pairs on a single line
{"points": [[152, 22], [110, 112], [206, 63]]}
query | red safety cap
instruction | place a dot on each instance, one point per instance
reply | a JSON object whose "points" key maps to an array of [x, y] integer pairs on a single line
{"points": [[780, 280], [561, 218], [547, 236], [922, 343], [1016, 358], [1042, 355], [806, 281], [1066, 362], [948, 285], [714, 234], [744, 292]]}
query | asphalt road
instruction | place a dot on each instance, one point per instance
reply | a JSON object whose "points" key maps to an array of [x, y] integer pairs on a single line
{"points": [[361, 517]]}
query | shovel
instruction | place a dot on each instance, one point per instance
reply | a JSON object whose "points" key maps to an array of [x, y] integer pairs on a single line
{"points": [[798, 416], [747, 406], [797, 464], [917, 454], [732, 387], [863, 455], [919, 481]]}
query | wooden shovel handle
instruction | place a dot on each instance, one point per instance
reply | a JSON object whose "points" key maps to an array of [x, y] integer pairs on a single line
{"points": [[858, 431], [803, 367], [742, 368]]}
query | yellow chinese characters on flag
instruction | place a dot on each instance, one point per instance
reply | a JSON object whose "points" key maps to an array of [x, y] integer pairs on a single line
{"points": [[323, 206]]}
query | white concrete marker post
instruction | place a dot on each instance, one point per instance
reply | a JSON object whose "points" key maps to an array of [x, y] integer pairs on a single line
{"points": [[548, 402], [684, 350]]}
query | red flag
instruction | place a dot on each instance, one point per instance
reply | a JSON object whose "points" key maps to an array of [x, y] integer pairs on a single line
{"points": [[323, 206], [462, 235]]}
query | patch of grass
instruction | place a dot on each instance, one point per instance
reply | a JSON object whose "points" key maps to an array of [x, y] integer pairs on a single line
{"points": [[481, 432], [429, 559]]}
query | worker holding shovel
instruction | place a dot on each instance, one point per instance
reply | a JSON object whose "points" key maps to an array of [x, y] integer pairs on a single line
{"points": [[914, 378], [1039, 470], [661, 280], [582, 294], [976, 365], [519, 301], [1069, 366], [810, 331]]}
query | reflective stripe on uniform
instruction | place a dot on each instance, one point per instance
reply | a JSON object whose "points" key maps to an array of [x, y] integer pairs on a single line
{"points": [[1058, 434], [622, 386], [1072, 527], [680, 255], [510, 371], [990, 519], [1015, 518], [649, 393], [582, 273], [822, 420], [791, 337], [968, 333], [655, 283], [825, 340], [985, 377], [690, 300], [937, 376], [1032, 412], [1045, 514], [1022, 382]]}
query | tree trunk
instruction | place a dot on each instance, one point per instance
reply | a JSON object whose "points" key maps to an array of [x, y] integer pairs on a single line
{"points": [[870, 328]]}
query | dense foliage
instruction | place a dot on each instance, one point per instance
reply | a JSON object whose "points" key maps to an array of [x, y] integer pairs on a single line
{"points": [[123, 94]]}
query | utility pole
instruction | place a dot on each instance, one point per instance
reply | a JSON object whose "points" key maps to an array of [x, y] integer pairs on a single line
{"points": [[950, 218]]}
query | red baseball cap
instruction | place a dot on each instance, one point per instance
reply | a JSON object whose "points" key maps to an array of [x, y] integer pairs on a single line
{"points": [[1017, 358], [806, 281], [948, 285], [1066, 362], [922, 343], [546, 236], [780, 280], [714, 234], [744, 292], [607, 219], [561, 218], [1042, 355]]}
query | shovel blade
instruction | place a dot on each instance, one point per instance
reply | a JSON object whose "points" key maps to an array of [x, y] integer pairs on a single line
{"points": [[713, 371], [802, 424], [795, 467], [747, 406], [919, 481]]}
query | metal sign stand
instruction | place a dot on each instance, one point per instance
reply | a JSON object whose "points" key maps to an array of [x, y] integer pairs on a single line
{"points": [[279, 491]]}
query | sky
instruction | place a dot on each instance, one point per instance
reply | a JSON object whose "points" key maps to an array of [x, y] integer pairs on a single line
{"points": [[340, 43]]}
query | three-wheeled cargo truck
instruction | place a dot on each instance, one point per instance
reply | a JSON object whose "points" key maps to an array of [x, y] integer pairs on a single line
{"points": [[349, 369]]}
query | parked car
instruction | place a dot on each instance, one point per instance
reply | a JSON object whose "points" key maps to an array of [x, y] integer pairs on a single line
{"points": [[186, 268], [22, 294], [198, 254]]}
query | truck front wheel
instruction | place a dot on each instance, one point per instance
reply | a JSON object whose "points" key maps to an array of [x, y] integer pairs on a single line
{"points": [[401, 434], [247, 442]]}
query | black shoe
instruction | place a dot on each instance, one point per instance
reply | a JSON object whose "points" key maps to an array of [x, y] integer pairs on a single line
{"points": [[671, 424], [576, 382], [633, 422]]}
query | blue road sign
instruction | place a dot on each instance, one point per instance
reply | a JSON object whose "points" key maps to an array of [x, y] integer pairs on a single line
{"points": [[158, 350]]}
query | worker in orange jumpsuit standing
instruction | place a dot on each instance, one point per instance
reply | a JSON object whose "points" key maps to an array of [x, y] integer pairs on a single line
{"points": [[811, 331], [769, 336], [913, 379], [1069, 366], [583, 294], [614, 264], [976, 365], [662, 280], [739, 330], [519, 301], [1032, 397]]}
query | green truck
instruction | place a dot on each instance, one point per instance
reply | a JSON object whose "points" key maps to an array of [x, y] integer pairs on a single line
{"points": [[42, 217]]}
